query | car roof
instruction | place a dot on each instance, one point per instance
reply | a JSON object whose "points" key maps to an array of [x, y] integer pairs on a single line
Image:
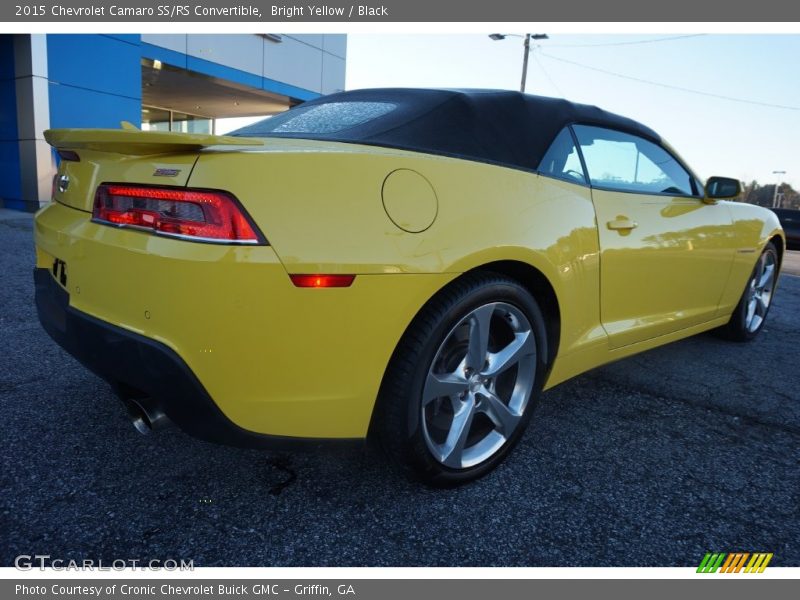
{"points": [[495, 126]]}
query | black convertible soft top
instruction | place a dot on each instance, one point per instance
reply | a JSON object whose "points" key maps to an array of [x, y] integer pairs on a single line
{"points": [[495, 126]]}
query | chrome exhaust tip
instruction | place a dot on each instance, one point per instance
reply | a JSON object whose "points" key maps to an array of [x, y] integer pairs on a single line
{"points": [[144, 416], [140, 424]]}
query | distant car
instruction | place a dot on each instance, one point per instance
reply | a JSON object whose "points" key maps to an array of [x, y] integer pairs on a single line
{"points": [[416, 265], [790, 221]]}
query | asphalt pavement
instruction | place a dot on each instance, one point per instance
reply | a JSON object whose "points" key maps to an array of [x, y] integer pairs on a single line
{"points": [[791, 263], [651, 461]]}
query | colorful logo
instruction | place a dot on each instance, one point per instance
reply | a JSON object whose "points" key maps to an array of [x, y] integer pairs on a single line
{"points": [[734, 562]]}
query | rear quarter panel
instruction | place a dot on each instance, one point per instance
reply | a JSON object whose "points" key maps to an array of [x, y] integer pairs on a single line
{"points": [[320, 206]]}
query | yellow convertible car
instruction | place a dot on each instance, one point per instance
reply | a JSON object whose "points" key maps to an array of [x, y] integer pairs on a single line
{"points": [[415, 266]]}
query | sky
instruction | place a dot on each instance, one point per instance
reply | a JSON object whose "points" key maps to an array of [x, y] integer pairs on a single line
{"points": [[714, 135]]}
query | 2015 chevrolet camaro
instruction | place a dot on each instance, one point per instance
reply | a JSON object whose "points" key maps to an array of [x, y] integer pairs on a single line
{"points": [[416, 265]]}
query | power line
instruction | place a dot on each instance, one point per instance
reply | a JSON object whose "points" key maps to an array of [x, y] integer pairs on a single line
{"points": [[546, 74], [662, 39], [668, 86]]}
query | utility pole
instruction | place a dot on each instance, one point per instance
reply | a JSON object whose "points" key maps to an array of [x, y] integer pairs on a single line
{"points": [[525, 62], [527, 49]]}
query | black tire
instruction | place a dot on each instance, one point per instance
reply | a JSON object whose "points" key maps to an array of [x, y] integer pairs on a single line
{"points": [[740, 328], [405, 426]]}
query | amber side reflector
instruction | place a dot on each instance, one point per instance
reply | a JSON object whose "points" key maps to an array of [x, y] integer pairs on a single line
{"points": [[322, 281]]}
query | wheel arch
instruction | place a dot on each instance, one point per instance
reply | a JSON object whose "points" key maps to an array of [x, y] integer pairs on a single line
{"points": [[386, 417], [537, 284], [529, 277]]}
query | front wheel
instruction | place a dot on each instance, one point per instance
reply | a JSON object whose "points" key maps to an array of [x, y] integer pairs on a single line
{"points": [[751, 313], [464, 380]]}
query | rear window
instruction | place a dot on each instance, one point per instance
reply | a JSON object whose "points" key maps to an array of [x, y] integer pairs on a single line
{"points": [[318, 119]]}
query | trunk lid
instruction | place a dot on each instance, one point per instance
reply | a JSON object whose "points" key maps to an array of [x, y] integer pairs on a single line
{"points": [[127, 156]]}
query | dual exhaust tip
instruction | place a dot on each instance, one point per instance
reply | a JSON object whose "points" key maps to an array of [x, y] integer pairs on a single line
{"points": [[145, 415]]}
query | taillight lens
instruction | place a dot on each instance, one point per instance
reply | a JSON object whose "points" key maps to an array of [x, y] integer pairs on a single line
{"points": [[198, 215]]}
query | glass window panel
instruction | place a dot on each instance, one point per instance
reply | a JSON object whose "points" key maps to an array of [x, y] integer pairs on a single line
{"points": [[627, 162], [155, 119], [320, 118], [562, 160]]}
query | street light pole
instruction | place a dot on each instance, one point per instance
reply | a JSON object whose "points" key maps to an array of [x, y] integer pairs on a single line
{"points": [[775, 192], [527, 49], [525, 62]]}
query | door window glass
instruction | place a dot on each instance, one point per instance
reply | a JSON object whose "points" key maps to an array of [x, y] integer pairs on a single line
{"points": [[621, 161], [562, 160]]}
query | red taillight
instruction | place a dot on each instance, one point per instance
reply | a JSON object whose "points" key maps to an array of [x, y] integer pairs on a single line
{"points": [[194, 214], [322, 281]]}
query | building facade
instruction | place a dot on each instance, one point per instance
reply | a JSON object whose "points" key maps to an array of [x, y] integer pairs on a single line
{"points": [[164, 82]]}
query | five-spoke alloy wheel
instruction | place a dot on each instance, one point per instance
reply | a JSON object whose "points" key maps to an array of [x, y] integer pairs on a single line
{"points": [[759, 290], [463, 381], [750, 314], [478, 386]]}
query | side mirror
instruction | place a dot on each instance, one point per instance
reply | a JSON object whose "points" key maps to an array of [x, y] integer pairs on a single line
{"points": [[720, 188]]}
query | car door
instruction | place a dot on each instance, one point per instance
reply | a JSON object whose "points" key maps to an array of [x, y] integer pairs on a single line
{"points": [[665, 254]]}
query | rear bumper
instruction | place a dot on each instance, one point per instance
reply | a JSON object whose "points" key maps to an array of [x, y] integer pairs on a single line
{"points": [[129, 361]]}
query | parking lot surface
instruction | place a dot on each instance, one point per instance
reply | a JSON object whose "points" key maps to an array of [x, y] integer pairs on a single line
{"points": [[651, 461]]}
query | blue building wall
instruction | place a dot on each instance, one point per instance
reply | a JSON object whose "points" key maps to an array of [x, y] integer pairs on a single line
{"points": [[198, 65], [10, 182], [95, 80]]}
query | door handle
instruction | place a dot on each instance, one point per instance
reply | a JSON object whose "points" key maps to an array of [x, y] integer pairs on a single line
{"points": [[622, 224]]}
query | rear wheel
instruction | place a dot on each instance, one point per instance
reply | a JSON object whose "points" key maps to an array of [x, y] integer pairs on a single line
{"points": [[464, 380], [751, 313]]}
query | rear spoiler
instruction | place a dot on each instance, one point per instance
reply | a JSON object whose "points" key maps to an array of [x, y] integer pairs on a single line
{"points": [[133, 141]]}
